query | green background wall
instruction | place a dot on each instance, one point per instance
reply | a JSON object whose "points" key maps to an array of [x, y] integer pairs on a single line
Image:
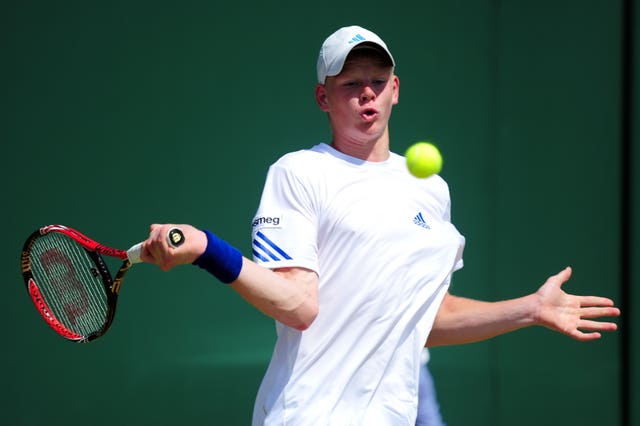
{"points": [[116, 115]]}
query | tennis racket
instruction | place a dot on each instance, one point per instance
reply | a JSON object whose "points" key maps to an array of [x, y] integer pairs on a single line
{"points": [[69, 281]]}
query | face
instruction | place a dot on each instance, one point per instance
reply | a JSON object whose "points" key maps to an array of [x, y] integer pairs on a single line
{"points": [[359, 99]]}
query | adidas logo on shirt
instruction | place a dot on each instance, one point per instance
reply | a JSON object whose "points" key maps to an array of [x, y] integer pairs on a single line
{"points": [[266, 250], [419, 220]]}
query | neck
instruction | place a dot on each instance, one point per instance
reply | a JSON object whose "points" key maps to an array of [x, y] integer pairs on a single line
{"points": [[374, 150]]}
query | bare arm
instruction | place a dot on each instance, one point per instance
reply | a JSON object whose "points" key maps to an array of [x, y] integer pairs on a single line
{"points": [[462, 320], [289, 295]]}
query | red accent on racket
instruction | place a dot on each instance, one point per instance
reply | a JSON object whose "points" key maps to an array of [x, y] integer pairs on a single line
{"points": [[70, 283]]}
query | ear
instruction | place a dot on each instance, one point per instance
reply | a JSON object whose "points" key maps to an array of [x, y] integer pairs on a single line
{"points": [[321, 97], [396, 89]]}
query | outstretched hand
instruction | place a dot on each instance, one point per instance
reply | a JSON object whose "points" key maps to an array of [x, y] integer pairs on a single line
{"points": [[573, 315]]}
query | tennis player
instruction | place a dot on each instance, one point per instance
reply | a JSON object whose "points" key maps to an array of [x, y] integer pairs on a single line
{"points": [[353, 258]]}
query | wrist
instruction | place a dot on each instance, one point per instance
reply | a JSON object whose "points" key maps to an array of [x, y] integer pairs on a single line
{"points": [[533, 310], [220, 259]]}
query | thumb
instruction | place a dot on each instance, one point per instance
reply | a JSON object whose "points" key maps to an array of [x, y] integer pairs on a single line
{"points": [[563, 276]]}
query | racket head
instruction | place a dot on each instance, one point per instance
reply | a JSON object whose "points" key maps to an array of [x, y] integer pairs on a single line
{"points": [[70, 283]]}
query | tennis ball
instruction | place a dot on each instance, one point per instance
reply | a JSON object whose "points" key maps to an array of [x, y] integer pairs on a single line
{"points": [[423, 159]]}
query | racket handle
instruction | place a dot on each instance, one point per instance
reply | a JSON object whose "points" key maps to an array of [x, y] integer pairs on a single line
{"points": [[134, 253]]}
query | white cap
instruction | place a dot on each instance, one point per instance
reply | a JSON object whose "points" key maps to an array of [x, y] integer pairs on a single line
{"points": [[337, 46]]}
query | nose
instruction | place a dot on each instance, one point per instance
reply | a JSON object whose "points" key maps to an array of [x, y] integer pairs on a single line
{"points": [[367, 93]]}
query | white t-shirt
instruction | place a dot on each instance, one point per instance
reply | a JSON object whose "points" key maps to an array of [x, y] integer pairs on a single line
{"points": [[384, 249]]}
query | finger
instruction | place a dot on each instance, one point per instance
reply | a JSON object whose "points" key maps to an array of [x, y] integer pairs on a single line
{"points": [[597, 312], [148, 257], [564, 275], [595, 301], [168, 262], [597, 325], [153, 227], [156, 236], [585, 337], [165, 266], [152, 251]]}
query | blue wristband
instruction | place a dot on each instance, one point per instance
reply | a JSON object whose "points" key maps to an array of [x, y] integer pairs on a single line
{"points": [[220, 259]]}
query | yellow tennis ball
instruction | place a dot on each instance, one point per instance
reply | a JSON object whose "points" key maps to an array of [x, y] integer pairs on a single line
{"points": [[423, 159]]}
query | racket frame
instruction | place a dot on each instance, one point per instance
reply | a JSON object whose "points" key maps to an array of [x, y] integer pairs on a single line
{"points": [[94, 250]]}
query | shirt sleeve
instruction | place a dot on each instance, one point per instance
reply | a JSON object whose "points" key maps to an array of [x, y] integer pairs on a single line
{"points": [[284, 229], [446, 216]]}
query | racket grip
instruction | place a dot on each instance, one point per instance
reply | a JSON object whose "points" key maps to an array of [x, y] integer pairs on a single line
{"points": [[134, 253]]}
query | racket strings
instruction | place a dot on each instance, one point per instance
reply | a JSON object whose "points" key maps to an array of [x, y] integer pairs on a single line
{"points": [[70, 283]]}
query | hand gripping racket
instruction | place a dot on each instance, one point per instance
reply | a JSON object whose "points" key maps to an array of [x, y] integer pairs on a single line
{"points": [[70, 283]]}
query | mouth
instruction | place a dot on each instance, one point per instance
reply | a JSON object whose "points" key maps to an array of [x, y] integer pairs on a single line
{"points": [[369, 114]]}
